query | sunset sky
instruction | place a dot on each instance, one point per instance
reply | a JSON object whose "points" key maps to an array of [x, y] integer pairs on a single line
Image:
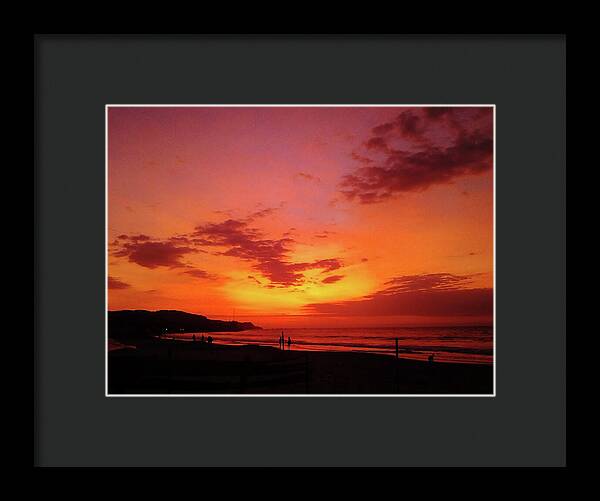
{"points": [[303, 216]]}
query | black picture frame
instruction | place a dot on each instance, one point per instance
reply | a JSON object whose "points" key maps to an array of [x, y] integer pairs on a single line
{"points": [[77, 425]]}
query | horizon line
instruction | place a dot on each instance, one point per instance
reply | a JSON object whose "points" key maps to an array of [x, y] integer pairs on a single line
{"points": [[491, 325]]}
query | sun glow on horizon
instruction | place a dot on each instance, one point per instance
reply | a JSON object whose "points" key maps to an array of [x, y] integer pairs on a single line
{"points": [[307, 216]]}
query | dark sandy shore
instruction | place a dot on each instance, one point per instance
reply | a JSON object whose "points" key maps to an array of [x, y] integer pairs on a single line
{"points": [[179, 367]]}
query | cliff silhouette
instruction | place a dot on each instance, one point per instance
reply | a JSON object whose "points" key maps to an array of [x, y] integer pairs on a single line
{"points": [[142, 323]]}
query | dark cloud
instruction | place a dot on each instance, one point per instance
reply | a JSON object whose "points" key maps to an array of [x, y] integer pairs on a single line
{"points": [[420, 148], [233, 238], [222, 212], [258, 214], [152, 254], [243, 241], [377, 143], [115, 283], [326, 264], [287, 274], [441, 294], [332, 279], [438, 111], [362, 159], [196, 273], [280, 272], [262, 213], [383, 129], [308, 177], [428, 282], [325, 234], [271, 256], [468, 254], [134, 238]]}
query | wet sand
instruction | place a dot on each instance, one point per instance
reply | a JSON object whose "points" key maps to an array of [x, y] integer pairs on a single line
{"points": [[179, 367]]}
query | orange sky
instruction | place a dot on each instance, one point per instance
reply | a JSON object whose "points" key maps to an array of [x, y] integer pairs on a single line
{"points": [[303, 216]]}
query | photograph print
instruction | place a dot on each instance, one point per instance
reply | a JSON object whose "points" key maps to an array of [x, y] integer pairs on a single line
{"points": [[300, 250]]}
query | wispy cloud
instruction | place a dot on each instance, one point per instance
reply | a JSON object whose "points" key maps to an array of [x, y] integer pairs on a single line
{"points": [[308, 177], [201, 274], [441, 294], [115, 283]]}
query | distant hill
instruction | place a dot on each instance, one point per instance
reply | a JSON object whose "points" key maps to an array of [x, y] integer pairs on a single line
{"points": [[143, 323]]}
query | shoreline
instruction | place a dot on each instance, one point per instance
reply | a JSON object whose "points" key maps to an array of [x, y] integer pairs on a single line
{"points": [[409, 345], [300, 348]]}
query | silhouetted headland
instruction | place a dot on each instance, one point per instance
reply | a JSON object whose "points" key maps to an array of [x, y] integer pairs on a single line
{"points": [[136, 324]]}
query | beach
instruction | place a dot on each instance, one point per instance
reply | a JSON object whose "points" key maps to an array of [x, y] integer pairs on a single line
{"points": [[174, 367], [458, 344]]}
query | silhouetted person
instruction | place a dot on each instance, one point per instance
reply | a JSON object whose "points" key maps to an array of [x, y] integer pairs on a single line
{"points": [[289, 343], [193, 338], [210, 339], [430, 358], [282, 341], [202, 339]]}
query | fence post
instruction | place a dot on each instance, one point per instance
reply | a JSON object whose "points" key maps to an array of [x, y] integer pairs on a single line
{"points": [[306, 374], [170, 376], [244, 374], [396, 368]]}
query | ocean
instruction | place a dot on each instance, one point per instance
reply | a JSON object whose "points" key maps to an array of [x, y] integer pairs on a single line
{"points": [[448, 344]]}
